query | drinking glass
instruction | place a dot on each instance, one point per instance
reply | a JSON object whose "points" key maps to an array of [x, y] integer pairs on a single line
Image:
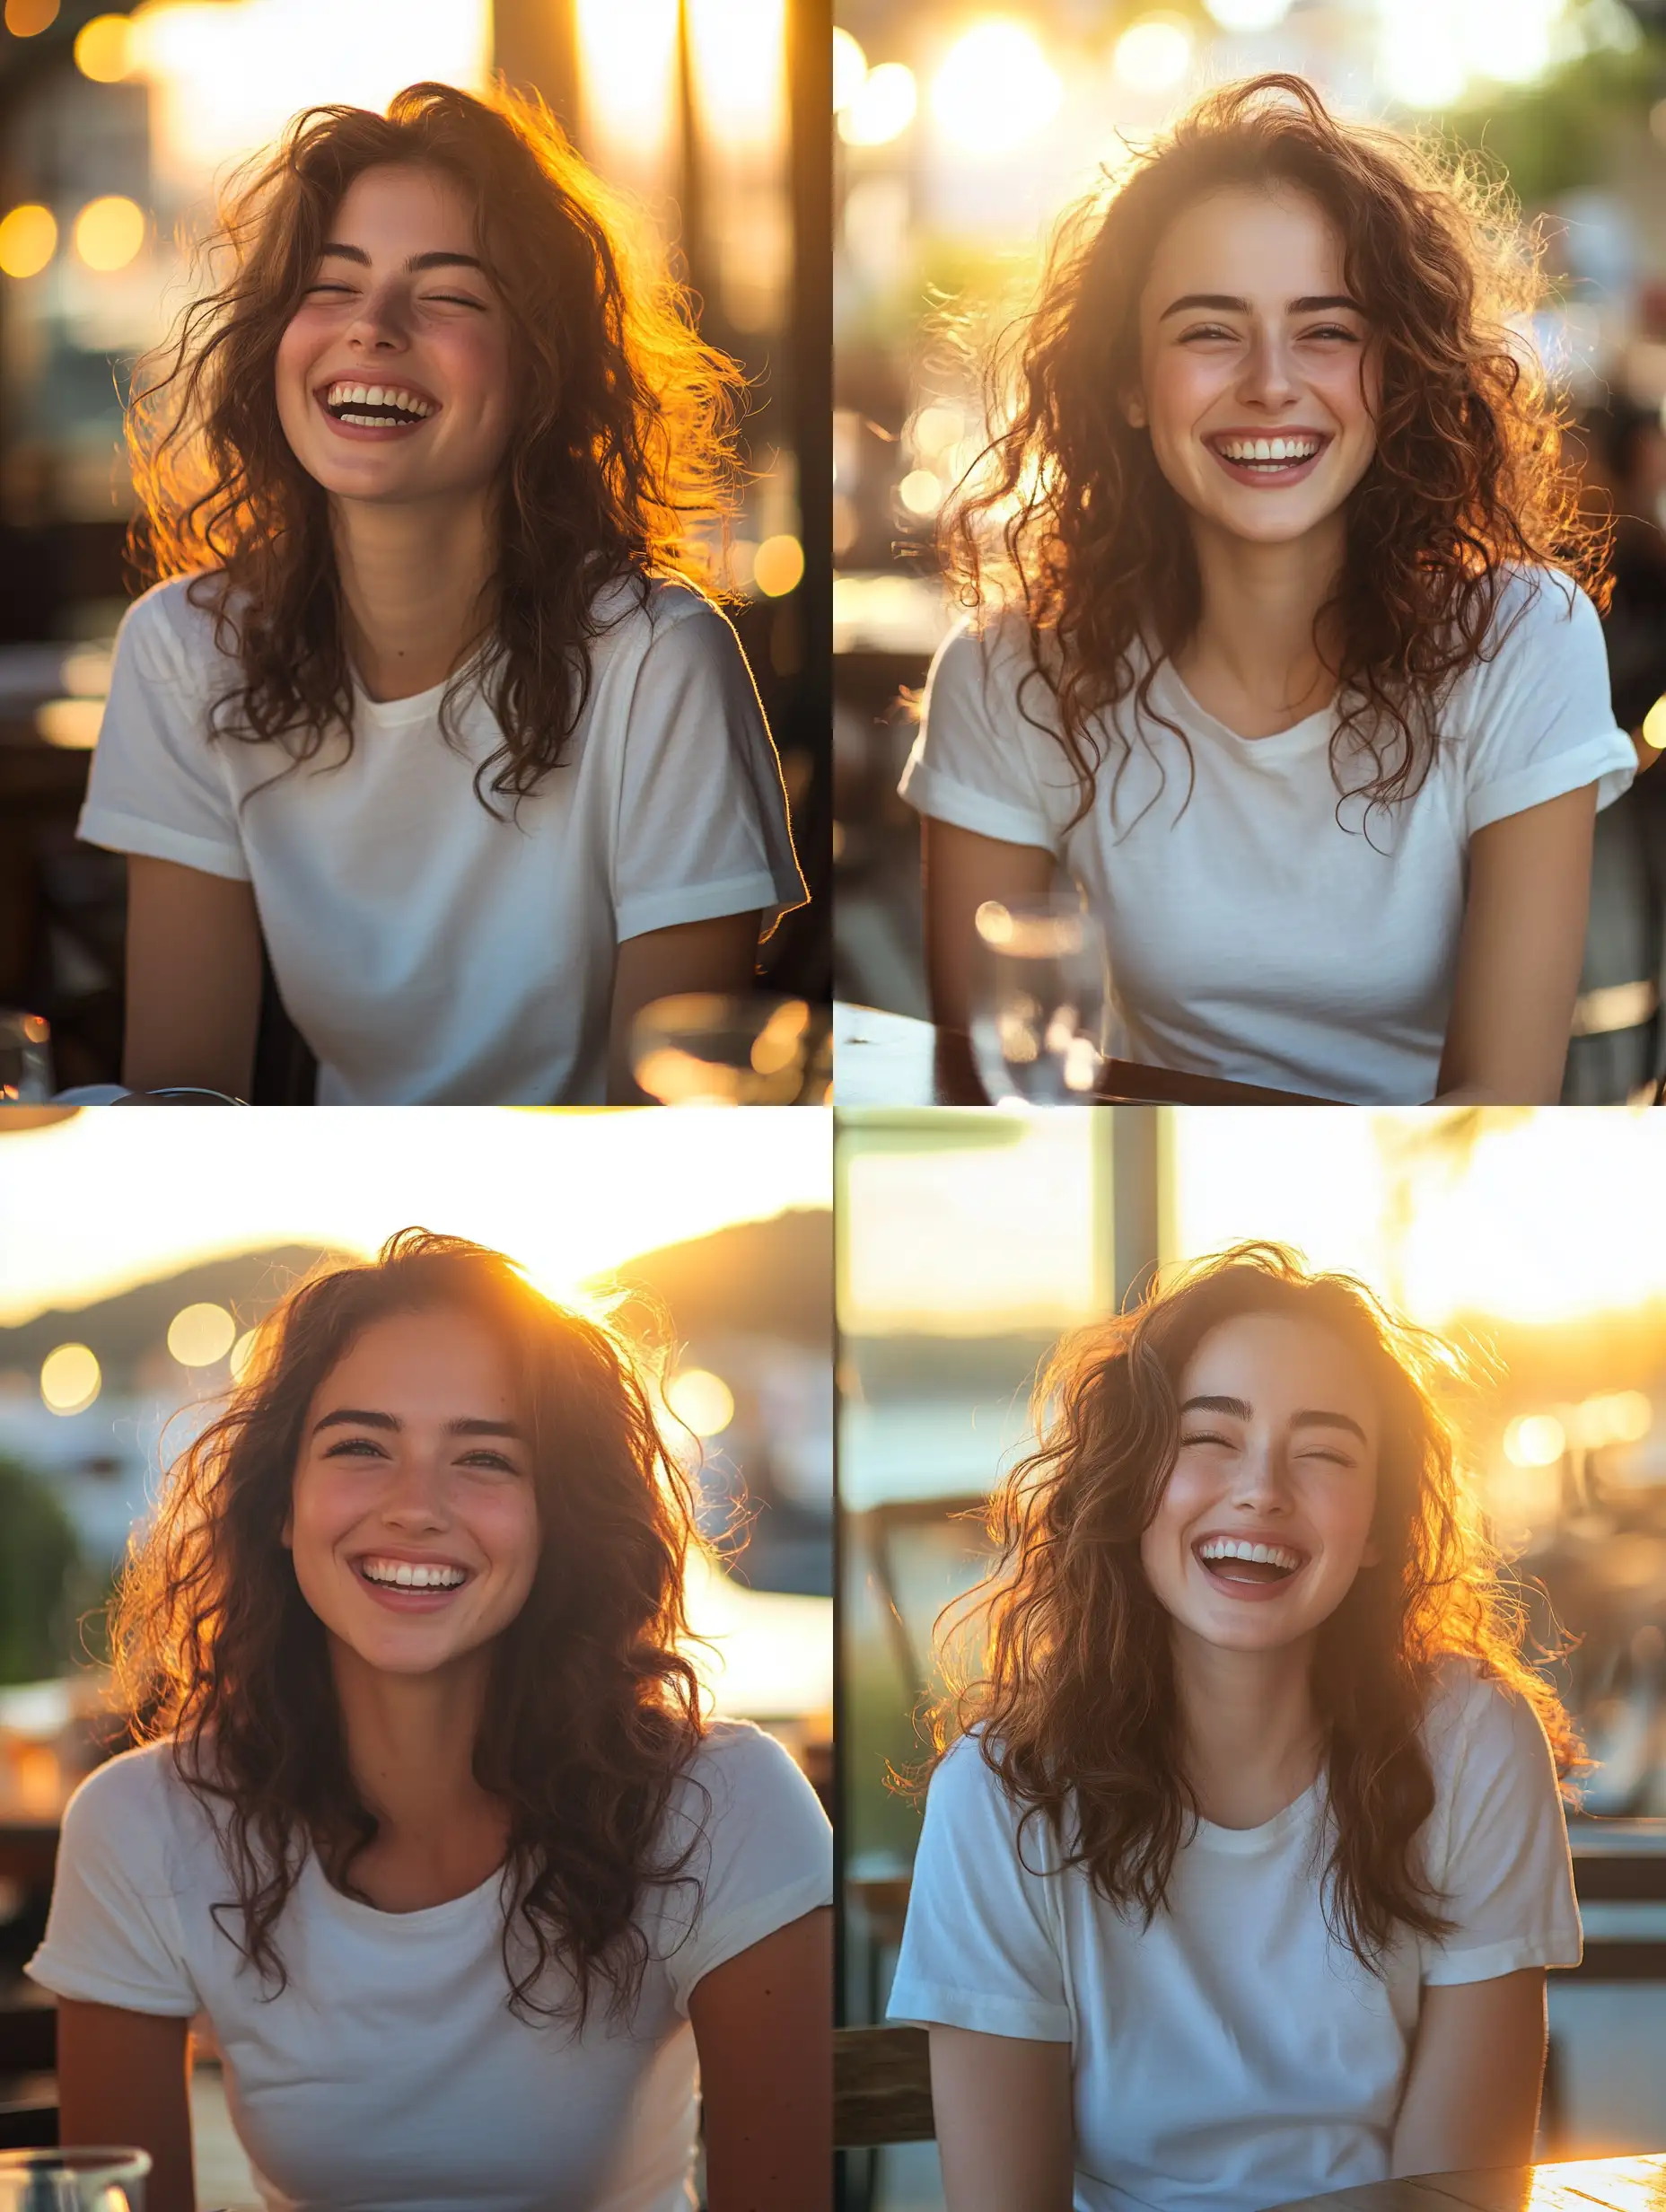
{"points": [[104, 2178], [25, 1058], [1042, 1003], [702, 1049]]}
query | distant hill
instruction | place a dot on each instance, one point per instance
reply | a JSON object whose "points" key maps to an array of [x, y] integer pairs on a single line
{"points": [[764, 1277]]}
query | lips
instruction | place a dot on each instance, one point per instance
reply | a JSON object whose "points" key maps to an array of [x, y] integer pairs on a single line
{"points": [[1246, 1565], [361, 408], [1267, 459], [410, 1585]]}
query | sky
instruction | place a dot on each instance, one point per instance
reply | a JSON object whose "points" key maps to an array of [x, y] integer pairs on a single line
{"points": [[122, 1196]]}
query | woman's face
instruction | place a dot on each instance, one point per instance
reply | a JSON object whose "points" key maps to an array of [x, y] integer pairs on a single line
{"points": [[393, 374], [1267, 1517], [413, 1521], [1259, 380]]}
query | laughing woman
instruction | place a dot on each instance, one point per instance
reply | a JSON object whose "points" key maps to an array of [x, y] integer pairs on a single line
{"points": [[426, 703], [1282, 653], [429, 1824], [1242, 1878]]}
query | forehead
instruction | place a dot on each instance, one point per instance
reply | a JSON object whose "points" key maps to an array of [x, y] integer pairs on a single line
{"points": [[445, 1361], [403, 209], [1265, 246], [1281, 1364]]}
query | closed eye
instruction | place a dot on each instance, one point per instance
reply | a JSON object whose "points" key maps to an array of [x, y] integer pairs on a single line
{"points": [[452, 298], [1335, 329], [1207, 1435], [356, 1447], [1337, 1459], [1207, 329]]}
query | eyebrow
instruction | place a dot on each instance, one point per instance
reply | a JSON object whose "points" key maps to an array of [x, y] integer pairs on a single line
{"points": [[358, 1416], [417, 262], [1223, 303], [1310, 1417]]}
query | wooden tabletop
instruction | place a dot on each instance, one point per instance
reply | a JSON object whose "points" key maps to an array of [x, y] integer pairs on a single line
{"points": [[1586, 2185], [892, 1059]]}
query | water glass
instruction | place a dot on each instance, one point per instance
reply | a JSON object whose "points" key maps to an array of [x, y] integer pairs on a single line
{"points": [[1042, 1003], [703, 1049], [25, 1061], [102, 2178]]}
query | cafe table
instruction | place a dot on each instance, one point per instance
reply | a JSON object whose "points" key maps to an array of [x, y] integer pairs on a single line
{"points": [[1582, 2185], [893, 1059]]}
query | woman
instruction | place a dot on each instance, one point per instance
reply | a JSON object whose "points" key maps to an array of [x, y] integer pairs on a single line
{"points": [[1241, 1881], [420, 704], [427, 1820], [1285, 658]]}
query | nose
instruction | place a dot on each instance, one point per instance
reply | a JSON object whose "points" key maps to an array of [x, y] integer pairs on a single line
{"points": [[1269, 379], [1262, 1474], [379, 325], [415, 1496]]}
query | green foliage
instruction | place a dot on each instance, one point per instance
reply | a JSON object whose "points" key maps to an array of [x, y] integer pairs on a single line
{"points": [[40, 1559], [1555, 136]]}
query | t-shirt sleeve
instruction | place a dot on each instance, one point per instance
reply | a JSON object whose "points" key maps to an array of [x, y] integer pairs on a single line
{"points": [[975, 763], [155, 787], [980, 1948], [767, 1853], [703, 827], [1508, 1875], [1543, 717], [113, 1932]]}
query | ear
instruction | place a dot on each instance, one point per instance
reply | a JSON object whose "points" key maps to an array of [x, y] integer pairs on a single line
{"points": [[1133, 408], [1373, 1554], [289, 1532]]}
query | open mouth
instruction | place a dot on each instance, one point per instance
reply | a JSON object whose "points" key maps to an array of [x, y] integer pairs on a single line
{"points": [[1241, 1565], [1283, 460], [376, 407], [409, 1585]]}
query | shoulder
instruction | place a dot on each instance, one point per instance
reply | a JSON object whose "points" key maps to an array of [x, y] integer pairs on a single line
{"points": [[991, 648], [169, 630], [741, 1768], [636, 612], [966, 1788], [1471, 1719], [1540, 612], [137, 1797]]}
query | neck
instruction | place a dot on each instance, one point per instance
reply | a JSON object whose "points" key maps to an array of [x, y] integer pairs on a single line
{"points": [[415, 580], [410, 1742], [1256, 647], [1250, 1740]]}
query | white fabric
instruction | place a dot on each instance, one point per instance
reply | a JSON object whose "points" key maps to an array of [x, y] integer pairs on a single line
{"points": [[429, 952], [1232, 2055], [1258, 931], [390, 2077]]}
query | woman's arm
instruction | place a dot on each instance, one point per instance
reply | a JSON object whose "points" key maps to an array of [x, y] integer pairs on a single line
{"points": [[1520, 954], [962, 870], [763, 2025], [693, 956], [193, 978], [124, 2078], [1005, 2128], [1477, 2067]]}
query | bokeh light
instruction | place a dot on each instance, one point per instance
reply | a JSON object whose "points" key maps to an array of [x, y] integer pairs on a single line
{"points": [[995, 89], [1154, 54], [1654, 721], [1248, 14], [69, 1379], [239, 1354], [777, 567], [199, 1335], [1535, 1440], [28, 239], [26, 19], [701, 1401], [850, 67], [109, 232], [882, 106], [104, 49]]}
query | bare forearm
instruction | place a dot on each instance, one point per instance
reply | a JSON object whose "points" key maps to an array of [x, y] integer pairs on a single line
{"points": [[1005, 2126], [1477, 2067]]}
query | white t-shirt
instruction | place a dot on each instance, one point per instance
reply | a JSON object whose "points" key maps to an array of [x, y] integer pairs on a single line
{"points": [[390, 2075], [1232, 2055], [1256, 932], [429, 952]]}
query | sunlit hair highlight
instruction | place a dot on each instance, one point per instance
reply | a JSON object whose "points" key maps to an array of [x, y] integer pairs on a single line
{"points": [[1075, 1703], [621, 460], [593, 1709], [1067, 516]]}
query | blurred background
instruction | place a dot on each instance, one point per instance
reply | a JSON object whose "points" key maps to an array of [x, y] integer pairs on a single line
{"points": [[963, 132], [116, 126], [138, 1252], [968, 1241]]}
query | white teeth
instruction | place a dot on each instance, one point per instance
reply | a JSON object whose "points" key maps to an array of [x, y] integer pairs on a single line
{"points": [[1240, 1547], [1269, 450], [401, 1575], [345, 395]]}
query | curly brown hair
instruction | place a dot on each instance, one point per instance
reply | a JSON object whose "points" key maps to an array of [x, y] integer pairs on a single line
{"points": [[1066, 513], [1076, 1709], [621, 459], [593, 1709]]}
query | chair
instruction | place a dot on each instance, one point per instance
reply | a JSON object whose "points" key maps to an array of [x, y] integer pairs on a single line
{"points": [[28, 2090], [882, 2087]]}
